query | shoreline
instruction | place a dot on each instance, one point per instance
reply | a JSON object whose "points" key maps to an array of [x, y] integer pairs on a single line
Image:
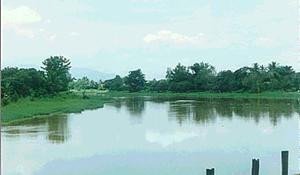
{"points": [[26, 109]]}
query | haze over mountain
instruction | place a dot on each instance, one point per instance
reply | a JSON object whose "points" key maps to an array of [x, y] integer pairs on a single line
{"points": [[95, 75], [78, 72]]}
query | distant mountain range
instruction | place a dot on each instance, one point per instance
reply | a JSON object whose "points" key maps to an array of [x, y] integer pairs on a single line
{"points": [[90, 73]]}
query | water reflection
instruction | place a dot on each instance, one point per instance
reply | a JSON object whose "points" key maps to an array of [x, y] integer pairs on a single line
{"points": [[55, 128], [135, 105], [176, 136], [206, 110], [201, 111]]}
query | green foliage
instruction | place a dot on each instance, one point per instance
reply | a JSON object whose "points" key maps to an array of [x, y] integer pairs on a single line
{"points": [[203, 76], [179, 79], [57, 73], [158, 85], [115, 84], [225, 81], [20, 83], [135, 81], [61, 103], [16, 83], [84, 83]]}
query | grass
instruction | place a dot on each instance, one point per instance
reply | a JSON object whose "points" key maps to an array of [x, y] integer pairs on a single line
{"points": [[74, 102], [244, 95], [26, 108]]}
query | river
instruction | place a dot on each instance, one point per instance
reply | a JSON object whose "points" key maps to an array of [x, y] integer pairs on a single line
{"points": [[161, 136]]}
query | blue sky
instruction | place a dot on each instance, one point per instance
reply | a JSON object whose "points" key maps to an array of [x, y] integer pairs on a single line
{"points": [[118, 36]]}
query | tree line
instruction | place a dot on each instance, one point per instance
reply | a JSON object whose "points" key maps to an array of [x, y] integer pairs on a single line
{"points": [[200, 77], [20, 82], [203, 77]]}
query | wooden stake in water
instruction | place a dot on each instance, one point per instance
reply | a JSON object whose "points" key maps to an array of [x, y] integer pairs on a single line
{"points": [[210, 171], [285, 162], [255, 167]]}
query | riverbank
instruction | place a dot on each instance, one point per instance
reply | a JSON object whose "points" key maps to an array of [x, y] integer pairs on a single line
{"points": [[78, 101], [66, 103], [244, 95]]}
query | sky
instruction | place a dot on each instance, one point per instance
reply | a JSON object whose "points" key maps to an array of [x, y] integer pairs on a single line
{"points": [[117, 36]]}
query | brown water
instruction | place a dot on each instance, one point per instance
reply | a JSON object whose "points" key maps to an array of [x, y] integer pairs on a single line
{"points": [[144, 136]]}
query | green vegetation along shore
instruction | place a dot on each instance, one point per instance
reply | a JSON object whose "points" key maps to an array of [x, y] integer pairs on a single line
{"points": [[63, 103], [77, 101]]}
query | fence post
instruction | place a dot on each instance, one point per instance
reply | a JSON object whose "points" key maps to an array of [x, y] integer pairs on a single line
{"points": [[285, 162], [210, 171], [255, 167]]}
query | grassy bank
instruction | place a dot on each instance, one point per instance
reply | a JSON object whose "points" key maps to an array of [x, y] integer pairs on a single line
{"points": [[26, 108], [244, 95], [74, 102]]}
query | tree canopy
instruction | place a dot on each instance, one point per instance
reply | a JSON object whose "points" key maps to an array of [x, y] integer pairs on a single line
{"points": [[135, 81], [20, 82], [57, 73], [199, 77]]}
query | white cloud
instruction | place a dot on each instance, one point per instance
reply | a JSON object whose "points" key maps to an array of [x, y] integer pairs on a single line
{"points": [[18, 20], [52, 37], [172, 37], [20, 15], [169, 139], [73, 34]]}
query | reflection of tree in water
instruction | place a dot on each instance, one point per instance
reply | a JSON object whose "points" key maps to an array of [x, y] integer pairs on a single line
{"points": [[117, 103], [203, 113], [181, 111], [198, 111], [58, 130], [259, 108], [55, 127], [206, 110], [135, 105]]}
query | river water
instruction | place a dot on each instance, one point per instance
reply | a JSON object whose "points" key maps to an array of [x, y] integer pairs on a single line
{"points": [[157, 136]]}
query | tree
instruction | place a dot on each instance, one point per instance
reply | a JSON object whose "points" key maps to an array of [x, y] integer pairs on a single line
{"points": [[17, 83], [297, 81], [203, 76], [57, 73], [135, 80], [179, 78], [83, 83], [115, 84], [240, 75], [158, 85], [225, 81], [255, 81]]}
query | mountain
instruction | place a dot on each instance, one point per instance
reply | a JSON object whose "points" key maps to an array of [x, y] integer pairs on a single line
{"points": [[90, 73]]}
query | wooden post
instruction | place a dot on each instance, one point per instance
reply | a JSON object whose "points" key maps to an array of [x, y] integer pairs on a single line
{"points": [[284, 162], [255, 167], [210, 171]]}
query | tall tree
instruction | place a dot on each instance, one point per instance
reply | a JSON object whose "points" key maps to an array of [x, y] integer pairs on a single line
{"points": [[135, 80], [57, 73], [179, 78], [203, 76]]}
